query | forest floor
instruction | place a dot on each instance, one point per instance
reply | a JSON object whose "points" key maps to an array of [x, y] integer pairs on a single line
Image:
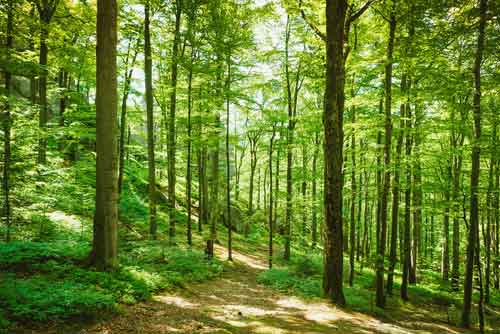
{"points": [[236, 303]]}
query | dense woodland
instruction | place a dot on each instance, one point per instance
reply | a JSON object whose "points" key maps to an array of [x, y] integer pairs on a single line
{"points": [[350, 147]]}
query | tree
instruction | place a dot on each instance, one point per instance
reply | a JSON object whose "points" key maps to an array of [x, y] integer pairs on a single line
{"points": [[148, 69], [474, 179], [46, 10], [104, 246], [171, 122]]}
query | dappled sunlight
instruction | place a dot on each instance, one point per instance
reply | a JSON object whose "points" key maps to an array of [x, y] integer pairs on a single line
{"points": [[177, 301], [67, 221], [247, 260]]}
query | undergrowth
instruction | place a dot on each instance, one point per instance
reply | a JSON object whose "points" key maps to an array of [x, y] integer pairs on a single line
{"points": [[50, 281]]}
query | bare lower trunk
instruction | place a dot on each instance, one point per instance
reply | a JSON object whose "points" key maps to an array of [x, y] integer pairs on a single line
{"points": [[104, 251], [475, 170]]}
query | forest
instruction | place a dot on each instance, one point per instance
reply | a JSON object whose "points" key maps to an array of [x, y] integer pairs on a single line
{"points": [[249, 166]]}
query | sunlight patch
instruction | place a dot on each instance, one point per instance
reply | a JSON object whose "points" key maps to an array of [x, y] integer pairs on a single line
{"points": [[177, 301]]}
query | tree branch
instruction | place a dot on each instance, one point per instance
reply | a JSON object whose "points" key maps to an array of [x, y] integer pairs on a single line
{"points": [[315, 28], [360, 11]]}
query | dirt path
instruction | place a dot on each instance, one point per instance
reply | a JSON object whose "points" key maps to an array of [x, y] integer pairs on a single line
{"points": [[235, 303]]}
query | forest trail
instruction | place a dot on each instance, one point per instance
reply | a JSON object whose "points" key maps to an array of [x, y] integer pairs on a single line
{"points": [[236, 303]]}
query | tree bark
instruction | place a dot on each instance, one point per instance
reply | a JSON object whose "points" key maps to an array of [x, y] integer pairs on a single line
{"points": [[396, 194], [104, 251], [150, 122], [380, 298], [352, 238], [475, 170], [171, 124], [228, 165], [407, 198], [271, 142], [7, 123], [129, 68], [417, 197], [314, 224], [333, 147]]}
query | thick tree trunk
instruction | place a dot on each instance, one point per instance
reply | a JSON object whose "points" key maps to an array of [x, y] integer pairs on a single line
{"points": [[475, 170], [333, 146], [104, 251]]}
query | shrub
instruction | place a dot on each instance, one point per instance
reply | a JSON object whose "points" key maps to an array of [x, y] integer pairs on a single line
{"points": [[39, 299]]}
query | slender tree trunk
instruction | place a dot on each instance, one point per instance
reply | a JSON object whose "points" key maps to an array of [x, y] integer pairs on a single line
{"points": [[380, 298], [496, 198], [417, 197], [277, 185], [104, 251], [334, 139], [189, 176], [304, 193], [150, 122], [395, 195], [271, 142], [42, 85], [314, 225], [475, 170], [228, 166], [129, 68], [457, 139], [445, 263], [7, 123], [407, 198], [353, 199], [292, 95], [171, 124], [490, 211]]}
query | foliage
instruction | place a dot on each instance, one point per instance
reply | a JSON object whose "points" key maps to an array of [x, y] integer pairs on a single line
{"points": [[48, 281]]}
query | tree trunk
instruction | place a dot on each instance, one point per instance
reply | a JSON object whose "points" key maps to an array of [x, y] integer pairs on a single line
{"points": [[271, 141], [189, 233], [407, 198], [490, 211], [417, 198], [396, 194], [475, 170], [380, 298], [228, 166], [333, 146], [457, 142], [104, 247], [7, 123], [171, 124], [129, 68], [445, 263], [352, 230], [150, 122], [314, 224]]}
